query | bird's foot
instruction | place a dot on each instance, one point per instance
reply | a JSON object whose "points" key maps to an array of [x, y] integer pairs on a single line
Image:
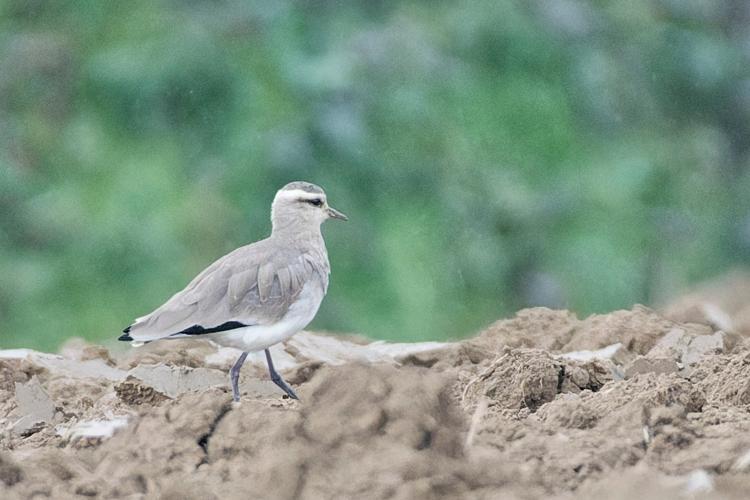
{"points": [[284, 387]]}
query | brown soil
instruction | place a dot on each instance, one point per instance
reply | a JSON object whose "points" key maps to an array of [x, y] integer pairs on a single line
{"points": [[511, 413]]}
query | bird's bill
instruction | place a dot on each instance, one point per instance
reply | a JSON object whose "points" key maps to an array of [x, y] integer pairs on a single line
{"points": [[335, 214]]}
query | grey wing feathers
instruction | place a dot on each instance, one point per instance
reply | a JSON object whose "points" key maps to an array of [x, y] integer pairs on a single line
{"points": [[240, 285], [250, 286]]}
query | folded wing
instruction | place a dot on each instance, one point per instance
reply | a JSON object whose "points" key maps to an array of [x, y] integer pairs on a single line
{"points": [[253, 285]]}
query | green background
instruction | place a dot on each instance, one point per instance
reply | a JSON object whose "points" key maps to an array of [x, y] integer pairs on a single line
{"points": [[491, 155]]}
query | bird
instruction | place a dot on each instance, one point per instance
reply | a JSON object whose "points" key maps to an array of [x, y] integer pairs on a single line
{"points": [[259, 294]]}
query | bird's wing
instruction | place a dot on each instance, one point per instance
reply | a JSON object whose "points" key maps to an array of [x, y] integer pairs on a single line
{"points": [[254, 285]]}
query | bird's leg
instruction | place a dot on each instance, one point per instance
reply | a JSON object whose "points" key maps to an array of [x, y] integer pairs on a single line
{"points": [[234, 375], [276, 378]]}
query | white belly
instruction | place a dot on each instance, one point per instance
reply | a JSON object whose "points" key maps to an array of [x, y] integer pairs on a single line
{"points": [[259, 337]]}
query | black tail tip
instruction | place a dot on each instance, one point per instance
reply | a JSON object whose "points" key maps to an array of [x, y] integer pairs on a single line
{"points": [[126, 335]]}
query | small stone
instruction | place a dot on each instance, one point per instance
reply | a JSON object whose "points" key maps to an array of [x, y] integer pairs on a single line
{"points": [[645, 364], [688, 348], [673, 344], [579, 376], [702, 345], [35, 408]]}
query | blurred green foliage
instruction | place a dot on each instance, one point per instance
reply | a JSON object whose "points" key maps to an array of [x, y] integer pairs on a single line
{"points": [[491, 154]]}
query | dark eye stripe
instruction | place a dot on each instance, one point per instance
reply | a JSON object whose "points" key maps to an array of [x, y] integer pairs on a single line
{"points": [[315, 201]]}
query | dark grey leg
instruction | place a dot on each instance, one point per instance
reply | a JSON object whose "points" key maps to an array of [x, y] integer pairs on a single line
{"points": [[276, 378], [234, 375]]}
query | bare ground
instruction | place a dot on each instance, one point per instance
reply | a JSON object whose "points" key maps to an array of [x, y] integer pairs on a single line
{"points": [[631, 404]]}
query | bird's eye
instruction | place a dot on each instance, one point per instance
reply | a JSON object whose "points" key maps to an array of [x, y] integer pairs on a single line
{"points": [[315, 202]]}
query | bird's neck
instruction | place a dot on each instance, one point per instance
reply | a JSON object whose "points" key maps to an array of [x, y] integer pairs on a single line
{"points": [[299, 235]]}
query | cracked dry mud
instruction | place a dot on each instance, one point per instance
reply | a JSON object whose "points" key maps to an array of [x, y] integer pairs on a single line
{"points": [[641, 409]]}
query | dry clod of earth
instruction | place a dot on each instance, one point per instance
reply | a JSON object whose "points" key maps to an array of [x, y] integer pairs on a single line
{"points": [[541, 405]]}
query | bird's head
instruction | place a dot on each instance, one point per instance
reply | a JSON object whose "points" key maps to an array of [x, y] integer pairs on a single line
{"points": [[302, 204]]}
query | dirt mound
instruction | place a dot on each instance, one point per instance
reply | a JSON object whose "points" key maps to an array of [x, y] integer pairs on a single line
{"points": [[384, 431], [540, 405], [561, 331], [529, 378]]}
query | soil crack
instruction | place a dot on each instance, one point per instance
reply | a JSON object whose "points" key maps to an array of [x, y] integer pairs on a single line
{"points": [[205, 438]]}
